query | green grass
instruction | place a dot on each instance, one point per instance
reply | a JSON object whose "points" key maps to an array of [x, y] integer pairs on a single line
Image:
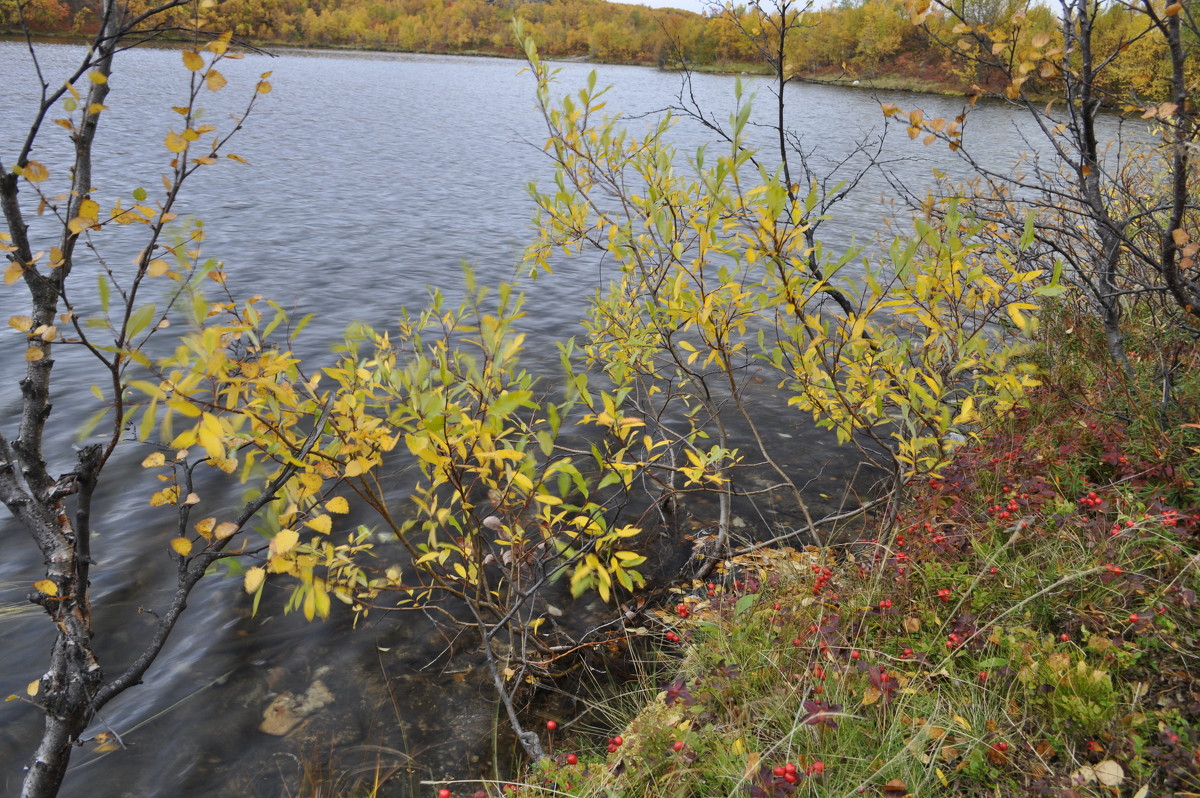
{"points": [[1034, 611]]}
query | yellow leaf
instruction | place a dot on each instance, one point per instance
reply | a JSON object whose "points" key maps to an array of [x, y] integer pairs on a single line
{"points": [[168, 495], [13, 272], [158, 267], [31, 689], [190, 499], [254, 578], [338, 504], [79, 224], [181, 546], [870, 696], [154, 460], [34, 172], [96, 108], [33, 354], [237, 158], [224, 530], [322, 524], [205, 527], [264, 87], [46, 586], [284, 541], [192, 60], [218, 46], [214, 80], [22, 323], [175, 142], [97, 77], [961, 721]]}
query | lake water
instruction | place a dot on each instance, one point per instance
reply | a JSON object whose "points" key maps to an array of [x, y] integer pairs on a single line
{"points": [[372, 177]]}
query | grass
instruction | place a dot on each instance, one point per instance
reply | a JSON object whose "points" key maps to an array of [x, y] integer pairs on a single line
{"points": [[1028, 626]]}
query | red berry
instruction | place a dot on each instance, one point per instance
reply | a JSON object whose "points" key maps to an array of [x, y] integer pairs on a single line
{"points": [[797, 641], [1133, 617], [618, 740], [572, 759], [1064, 637], [776, 606], [443, 793], [789, 767], [779, 771], [678, 745], [612, 748], [854, 654], [551, 725], [790, 778]]}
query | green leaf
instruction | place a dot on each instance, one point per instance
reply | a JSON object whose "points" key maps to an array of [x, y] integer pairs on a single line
{"points": [[140, 319], [139, 194], [102, 285], [745, 603]]}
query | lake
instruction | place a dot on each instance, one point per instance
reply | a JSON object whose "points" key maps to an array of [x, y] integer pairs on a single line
{"points": [[371, 178]]}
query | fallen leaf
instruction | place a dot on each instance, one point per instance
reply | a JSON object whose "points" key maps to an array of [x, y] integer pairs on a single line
{"points": [[1109, 773]]}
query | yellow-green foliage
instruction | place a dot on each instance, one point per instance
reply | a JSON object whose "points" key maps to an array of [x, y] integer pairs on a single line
{"points": [[716, 272]]}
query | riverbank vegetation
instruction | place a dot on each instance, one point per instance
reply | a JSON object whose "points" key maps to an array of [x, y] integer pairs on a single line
{"points": [[1028, 626], [872, 41]]}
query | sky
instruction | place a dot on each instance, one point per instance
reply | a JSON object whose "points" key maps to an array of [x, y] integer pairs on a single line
{"points": [[697, 6]]}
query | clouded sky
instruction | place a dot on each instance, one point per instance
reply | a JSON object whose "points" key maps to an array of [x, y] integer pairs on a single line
{"points": [[697, 6]]}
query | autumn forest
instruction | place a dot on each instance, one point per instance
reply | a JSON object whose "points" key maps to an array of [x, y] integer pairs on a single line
{"points": [[855, 39]]}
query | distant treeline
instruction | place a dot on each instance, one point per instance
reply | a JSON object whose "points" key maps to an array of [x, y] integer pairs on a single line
{"points": [[857, 38]]}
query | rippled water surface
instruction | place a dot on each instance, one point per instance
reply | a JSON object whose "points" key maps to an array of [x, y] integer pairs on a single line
{"points": [[372, 177]]}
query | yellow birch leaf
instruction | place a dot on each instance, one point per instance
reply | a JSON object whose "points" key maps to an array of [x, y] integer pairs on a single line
{"points": [[264, 87], [175, 142], [168, 495], [79, 224], [13, 272], [191, 498], [205, 527], [31, 689], [224, 530], [158, 267], [870, 696], [33, 354], [97, 77], [181, 546], [284, 541], [322, 524], [46, 587], [310, 606], [338, 504], [34, 172], [96, 108], [22, 323], [214, 80], [192, 60], [254, 578], [961, 721], [237, 158], [154, 460], [218, 46]]}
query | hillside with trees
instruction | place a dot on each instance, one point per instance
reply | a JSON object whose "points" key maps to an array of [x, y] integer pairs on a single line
{"points": [[854, 40]]}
